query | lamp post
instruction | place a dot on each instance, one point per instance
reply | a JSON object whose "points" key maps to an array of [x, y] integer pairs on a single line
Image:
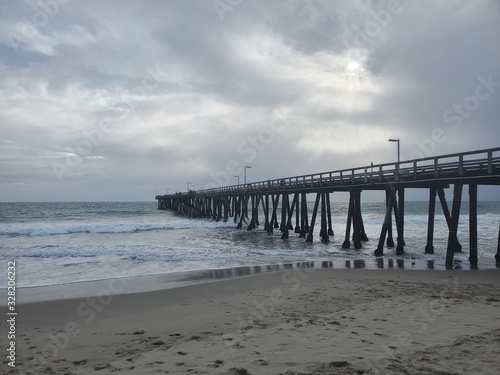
{"points": [[238, 177], [396, 140], [245, 179]]}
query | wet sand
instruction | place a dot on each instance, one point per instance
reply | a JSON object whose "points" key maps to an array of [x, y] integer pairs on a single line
{"points": [[297, 321]]}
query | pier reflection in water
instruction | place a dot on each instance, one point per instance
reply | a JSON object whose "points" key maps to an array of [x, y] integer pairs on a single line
{"points": [[370, 264]]}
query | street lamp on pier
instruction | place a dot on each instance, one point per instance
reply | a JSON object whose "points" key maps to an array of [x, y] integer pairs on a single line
{"points": [[245, 179], [396, 140]]}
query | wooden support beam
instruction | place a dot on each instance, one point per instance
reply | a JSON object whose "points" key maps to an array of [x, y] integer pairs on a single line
{"points": [[306, 210], [324, 231], [237, 208], [444, 206], [446, 211], [293, 206], [473, 224], [276, 225], [303, 215], [219, 209], [226, 208], [429, 248], [215, 211], [243, 204], [297, 213], [313, 219], [274, 220], [285, 206], [329, 214], [364, 237], [265, 208], [455, 215], [289, 212], [251, 226], [388, 196], [284, 212], [257, 200], [347, 243], [391, 197], [401, 221], [356, 218]]}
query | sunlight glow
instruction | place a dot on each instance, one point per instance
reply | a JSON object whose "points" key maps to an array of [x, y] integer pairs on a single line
{"points": [[352, 66]]}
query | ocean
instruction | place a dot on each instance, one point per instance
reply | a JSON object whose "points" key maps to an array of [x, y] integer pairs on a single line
{"points": [[59, 243]]}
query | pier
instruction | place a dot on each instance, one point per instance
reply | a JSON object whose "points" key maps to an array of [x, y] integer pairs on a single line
{"points": [[281, 204]]}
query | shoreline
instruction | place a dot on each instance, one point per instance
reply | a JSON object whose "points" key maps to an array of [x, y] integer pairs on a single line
{"points": [[161, 281], [300, 319]]}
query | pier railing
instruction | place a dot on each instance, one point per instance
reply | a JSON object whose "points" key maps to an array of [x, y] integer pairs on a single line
{"points": [[484, 163]]}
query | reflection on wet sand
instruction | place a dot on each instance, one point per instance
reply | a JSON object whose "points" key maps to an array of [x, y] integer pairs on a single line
{"points": [[372, 264]]}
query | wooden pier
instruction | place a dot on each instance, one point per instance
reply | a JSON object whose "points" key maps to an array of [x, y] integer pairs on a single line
{"points": [[474, 168]]}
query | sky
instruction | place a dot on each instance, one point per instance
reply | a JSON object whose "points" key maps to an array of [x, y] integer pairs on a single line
{"points": [[120, 100]]}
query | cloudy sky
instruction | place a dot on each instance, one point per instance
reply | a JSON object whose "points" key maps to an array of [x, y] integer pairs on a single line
{"points": [[119, 99]]}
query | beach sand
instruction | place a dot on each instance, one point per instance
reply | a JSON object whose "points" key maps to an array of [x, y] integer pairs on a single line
{"points": [[298, 321]]}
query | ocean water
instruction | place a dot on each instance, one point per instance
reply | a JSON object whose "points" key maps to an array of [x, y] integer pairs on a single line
{"points": [[57, 243]]}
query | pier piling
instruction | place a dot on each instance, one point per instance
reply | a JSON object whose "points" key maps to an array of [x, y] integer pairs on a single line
{"points": [[455, 215], [329, 213], [473, 224], [429, 248], [401, 221], [324, 231], [347, 243], [313, 218]]}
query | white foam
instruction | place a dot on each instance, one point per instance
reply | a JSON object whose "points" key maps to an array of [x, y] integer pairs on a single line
{"points": [[61, 228]]}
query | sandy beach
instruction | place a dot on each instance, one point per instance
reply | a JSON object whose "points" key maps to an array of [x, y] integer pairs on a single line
{"points": [[297, 321]]}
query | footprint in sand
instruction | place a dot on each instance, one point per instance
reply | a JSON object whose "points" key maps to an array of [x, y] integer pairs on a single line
{"points": [[102, 366], [150, 364], [260, 362]]}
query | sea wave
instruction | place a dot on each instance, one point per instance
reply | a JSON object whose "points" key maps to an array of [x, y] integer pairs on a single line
{"points": [[34, 229]]}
